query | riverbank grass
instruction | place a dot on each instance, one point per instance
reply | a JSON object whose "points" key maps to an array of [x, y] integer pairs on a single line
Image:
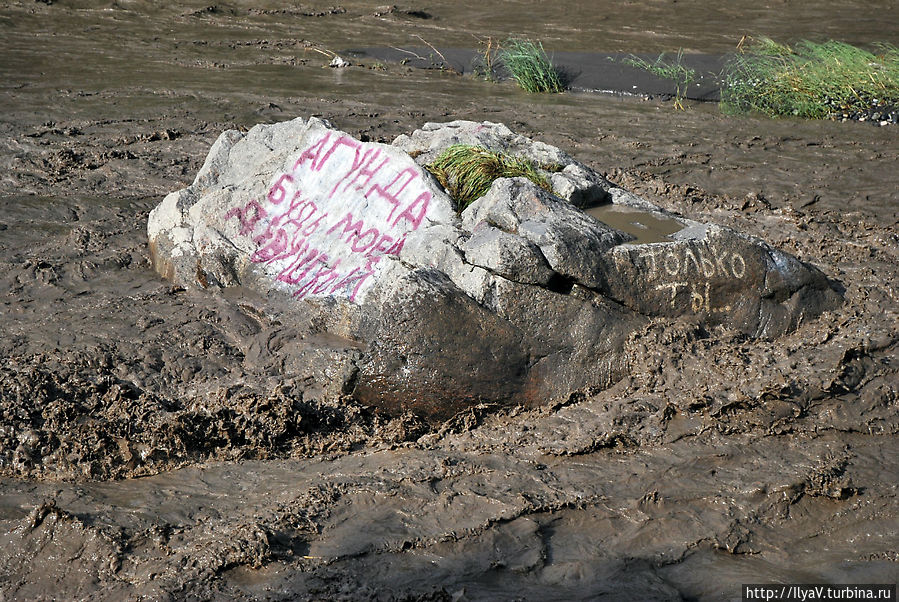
{"points": [[530, 67], [666, 68], [810, 80], [467, 172]]}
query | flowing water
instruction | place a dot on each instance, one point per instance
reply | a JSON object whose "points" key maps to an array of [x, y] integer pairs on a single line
{"points": [[144, 446]]}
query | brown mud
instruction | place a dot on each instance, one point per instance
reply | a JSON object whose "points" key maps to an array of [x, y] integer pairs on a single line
{"points": [[165, 444]]}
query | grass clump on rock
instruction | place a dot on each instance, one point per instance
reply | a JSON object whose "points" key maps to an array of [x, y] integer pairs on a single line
{"points": [[530, 67], [829, 80], [467, 171]]}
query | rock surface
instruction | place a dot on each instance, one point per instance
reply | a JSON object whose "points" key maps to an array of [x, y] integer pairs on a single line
{"points": [[522, 298]]}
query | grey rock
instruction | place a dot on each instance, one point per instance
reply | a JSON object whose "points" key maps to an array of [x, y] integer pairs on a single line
{"points": [[573, 182], [436, 351], [523, 298], [619, 196], [580, 186], [428, 142], [298, 208], [722, 277], [504, 254], [440, 247], [572, 242], [574, 337]]}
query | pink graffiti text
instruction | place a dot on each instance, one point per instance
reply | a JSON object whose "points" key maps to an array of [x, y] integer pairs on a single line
{"points": [[287, 230]]}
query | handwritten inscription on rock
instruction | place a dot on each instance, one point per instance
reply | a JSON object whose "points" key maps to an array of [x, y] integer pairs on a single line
{"points": [[694, 262], [700, 276], [687, 273], [327, 221]]}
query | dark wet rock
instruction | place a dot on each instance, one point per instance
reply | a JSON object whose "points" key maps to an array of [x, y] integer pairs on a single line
{"points": [[720, 275], [523, 298], [458, 352]]}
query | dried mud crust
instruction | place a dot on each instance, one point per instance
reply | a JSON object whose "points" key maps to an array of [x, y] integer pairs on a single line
{"points": [[101, 413], [81, 421]]}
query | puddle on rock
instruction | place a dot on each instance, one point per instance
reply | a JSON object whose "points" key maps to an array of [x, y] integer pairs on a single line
{"points": [[646, 227]]}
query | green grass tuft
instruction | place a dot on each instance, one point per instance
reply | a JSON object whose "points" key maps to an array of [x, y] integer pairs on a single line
{"points": [[664, 68], [810, 80], [467, 172], [530, 67]]}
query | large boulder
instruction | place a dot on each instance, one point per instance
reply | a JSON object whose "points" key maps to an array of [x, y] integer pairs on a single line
{"points": [[521, 298]]}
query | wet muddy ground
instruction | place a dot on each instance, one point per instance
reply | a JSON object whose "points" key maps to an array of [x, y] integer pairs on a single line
{"points": [[167, 444]]}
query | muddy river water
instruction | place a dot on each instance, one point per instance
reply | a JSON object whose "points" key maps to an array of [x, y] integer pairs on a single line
{"points": [[157, 443]]}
